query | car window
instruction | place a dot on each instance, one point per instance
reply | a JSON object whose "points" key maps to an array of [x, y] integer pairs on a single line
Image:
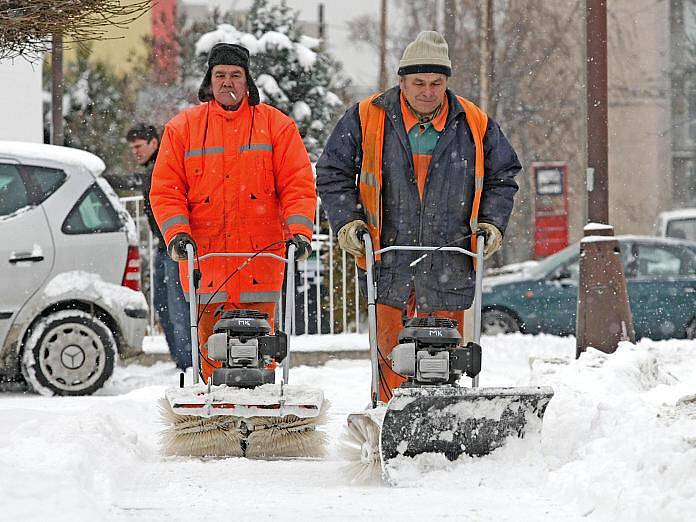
{"points": [[43, 182], [92, 214], [13, 192], [682, 229], [657, 260]]}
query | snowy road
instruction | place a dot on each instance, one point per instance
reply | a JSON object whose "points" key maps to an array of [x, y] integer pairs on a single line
{"points": [[616, 445]]}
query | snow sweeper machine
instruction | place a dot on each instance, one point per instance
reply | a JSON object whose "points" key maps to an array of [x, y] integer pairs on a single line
{"points": [[241, 410], [431, 412]]}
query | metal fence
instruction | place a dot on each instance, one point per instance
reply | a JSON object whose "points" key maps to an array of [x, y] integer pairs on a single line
{"points": [[328, 298]]}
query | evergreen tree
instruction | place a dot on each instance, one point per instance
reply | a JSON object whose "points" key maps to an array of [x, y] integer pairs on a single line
{"points": [[98, 107], [292, 71]]}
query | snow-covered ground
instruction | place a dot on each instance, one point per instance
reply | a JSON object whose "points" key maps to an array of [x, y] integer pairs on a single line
{"points": [[617, 445]]}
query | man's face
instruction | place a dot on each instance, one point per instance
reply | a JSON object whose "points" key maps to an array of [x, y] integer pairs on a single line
{"points": [[228, 79], [424, 91], [143, 149]]}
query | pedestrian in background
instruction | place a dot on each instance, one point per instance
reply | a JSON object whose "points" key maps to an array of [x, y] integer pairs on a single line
{"points": [[167, 295]]}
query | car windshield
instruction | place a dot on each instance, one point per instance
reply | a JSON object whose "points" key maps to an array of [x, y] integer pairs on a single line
{"points": [[554, 261]]}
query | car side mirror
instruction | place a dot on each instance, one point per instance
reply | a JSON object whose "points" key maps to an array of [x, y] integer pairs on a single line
{"points": [[562, 275]]}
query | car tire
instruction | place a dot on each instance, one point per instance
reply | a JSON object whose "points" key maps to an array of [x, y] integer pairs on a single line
{"points": [[691, 329], [69, 352], [495, 322]]}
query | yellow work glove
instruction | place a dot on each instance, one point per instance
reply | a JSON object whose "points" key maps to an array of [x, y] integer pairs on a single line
{"points": [[493, 238], [349, 237]]}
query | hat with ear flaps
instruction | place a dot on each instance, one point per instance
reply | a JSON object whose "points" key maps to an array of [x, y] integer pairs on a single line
{"points": [[228, 54]]}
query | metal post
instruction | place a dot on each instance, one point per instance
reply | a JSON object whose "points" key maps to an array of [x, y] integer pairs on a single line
{"points": [[478, 298], [383, 47], [597, 111], [331, 283], [344, 291], [318, 278], [57, 89], [356, 290], [372, 317], [289, 307], [193, 312]]}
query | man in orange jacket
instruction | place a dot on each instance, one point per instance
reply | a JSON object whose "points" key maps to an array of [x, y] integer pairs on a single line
{"points": [[232, 175], [432, 169]]}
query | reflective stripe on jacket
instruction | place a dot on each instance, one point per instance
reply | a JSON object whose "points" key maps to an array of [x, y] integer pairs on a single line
{"points": [[237, 181]]}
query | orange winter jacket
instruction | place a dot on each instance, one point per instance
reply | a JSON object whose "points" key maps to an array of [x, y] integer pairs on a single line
{"points": [[236, 181]]}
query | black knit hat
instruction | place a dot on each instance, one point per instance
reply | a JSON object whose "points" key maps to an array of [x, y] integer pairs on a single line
{"points": [[228, 54]]}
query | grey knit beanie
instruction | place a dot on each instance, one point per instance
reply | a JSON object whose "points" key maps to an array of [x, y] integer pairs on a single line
{"points": [[428, 53]]}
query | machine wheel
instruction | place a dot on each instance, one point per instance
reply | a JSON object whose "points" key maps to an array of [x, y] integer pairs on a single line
{"points": [[69, 352], [495, 322], [691, 329]]}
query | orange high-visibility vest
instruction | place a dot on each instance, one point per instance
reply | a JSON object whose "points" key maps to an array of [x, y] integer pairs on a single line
{"points": [[372, 120]]}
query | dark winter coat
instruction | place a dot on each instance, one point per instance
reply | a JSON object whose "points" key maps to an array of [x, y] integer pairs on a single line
{"points": [[147, 183], [442, 281]]}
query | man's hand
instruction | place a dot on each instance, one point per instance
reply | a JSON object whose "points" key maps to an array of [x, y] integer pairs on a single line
{"points": [[303, 246], [494, 239], [177, 246], [350, 238]]}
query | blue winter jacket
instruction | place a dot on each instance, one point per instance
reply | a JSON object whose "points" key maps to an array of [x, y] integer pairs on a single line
{"points": [[442, 281]]}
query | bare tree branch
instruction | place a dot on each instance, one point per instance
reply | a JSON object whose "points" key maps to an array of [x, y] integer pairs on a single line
{"points": [[26, 26]]}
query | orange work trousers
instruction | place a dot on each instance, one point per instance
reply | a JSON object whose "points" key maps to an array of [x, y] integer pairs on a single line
{"points": [[389, 325], [206, 323]]}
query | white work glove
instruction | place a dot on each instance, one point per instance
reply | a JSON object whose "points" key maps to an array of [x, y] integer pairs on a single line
{"points": [[493, 238], [349, 237]]}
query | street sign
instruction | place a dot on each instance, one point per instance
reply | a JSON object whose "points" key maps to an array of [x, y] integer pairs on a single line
{"points": [[550, 207]]}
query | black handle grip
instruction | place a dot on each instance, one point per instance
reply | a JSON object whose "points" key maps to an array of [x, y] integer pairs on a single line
{"points": [[31, 259]]}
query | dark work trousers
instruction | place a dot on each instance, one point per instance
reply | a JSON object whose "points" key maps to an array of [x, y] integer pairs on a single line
{"points": [[172, 309]]}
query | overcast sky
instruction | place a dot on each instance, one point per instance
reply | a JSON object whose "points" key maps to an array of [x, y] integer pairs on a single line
{"points": [[358, 64]]}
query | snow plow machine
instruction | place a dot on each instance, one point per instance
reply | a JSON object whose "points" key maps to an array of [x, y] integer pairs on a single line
{"points": [[240, 410], [431, 413]]}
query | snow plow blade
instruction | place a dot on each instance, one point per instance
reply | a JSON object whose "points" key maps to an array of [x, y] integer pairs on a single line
{"points": [[455, 421]]}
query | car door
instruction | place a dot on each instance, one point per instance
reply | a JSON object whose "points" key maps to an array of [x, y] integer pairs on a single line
{"points": [[661, 281], [560, 297], [26, 244]]}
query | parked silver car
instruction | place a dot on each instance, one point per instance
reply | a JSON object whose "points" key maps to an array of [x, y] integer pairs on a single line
{"points": [[69, 271]]}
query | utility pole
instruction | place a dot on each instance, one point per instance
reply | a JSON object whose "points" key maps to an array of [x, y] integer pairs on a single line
{"points": [[450, 29], [383, 48], [487, 52], [597, 113], [57, 88], [603, 316], [322, 24]]}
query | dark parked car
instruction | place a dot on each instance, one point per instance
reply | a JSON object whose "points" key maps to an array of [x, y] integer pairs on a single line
{"points": [[661, 279]]}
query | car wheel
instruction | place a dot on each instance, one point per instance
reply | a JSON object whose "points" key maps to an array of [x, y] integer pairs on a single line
{"points": [[69, 353], [691, 329], [495, 322]]}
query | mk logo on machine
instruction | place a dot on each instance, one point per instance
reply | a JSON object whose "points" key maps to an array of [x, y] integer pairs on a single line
{"points": [[434, 333]]}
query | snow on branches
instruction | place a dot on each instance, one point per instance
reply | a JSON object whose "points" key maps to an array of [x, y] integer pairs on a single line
{"points": [[290, 69]]}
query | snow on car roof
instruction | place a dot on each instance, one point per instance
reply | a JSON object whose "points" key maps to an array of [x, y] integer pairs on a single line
{"points": [[682, 213], [24, 151]]}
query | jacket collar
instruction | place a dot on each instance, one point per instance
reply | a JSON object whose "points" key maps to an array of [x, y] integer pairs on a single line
{"points": [[390, 102], [241, 112]]}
